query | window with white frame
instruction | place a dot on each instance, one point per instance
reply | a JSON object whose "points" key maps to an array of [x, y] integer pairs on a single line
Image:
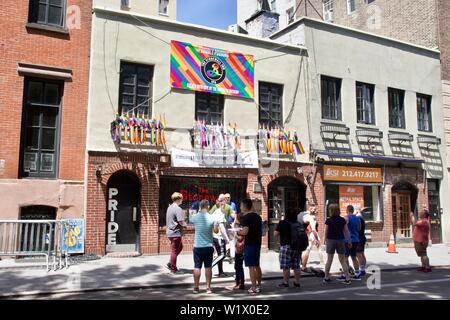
{"points": [[163, 7], [351, 6], [328, 10]]}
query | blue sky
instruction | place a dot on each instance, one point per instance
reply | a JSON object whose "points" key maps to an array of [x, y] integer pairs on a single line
{"points": [[211, 13]]}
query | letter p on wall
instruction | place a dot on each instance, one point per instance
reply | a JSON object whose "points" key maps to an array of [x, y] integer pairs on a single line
{"points": [[113, 192]]}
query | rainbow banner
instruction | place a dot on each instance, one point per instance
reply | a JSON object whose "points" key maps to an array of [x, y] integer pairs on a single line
{"points": [[213, 70]]}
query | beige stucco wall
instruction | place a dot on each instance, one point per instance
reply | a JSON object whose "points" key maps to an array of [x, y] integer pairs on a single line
{"points": [[354, 56], [146, 7], [66, 196], [179, 105]]}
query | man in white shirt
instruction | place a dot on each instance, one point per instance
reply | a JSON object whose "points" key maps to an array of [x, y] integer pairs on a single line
{"points": [[220, 239]]}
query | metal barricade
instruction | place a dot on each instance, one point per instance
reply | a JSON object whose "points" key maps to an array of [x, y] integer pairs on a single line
{"points": [[27, 238]]}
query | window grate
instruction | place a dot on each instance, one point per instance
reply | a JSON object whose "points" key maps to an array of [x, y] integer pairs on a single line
{"points": [[135, 92], [270, 104]]}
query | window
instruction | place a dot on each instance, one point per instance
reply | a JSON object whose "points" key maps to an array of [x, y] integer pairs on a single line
{"points": [[331, 98], [351, 6], [270, 104], [209, 107], [328, 10], [365, 106], [290, 15], [125, 4], [163, 7], [37, 237], [40, 128], [135, 88], [424, 113], [273, 5], [396, 108], [196, 189], [49, 12], [365, 198], [369, 1]]}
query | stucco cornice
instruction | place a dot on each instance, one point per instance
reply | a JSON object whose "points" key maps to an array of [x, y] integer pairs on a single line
{"points": [[188, 26]]}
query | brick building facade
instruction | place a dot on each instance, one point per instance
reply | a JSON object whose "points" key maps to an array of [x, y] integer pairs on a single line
{"points": [[45, 66]]}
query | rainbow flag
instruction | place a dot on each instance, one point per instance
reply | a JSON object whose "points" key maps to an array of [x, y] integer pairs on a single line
{"points": [[206, 69]]}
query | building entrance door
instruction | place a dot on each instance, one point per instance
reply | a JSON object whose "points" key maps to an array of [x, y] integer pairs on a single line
{"points": [[123, 212], [401, 210], [435, 211], [285, 195]]}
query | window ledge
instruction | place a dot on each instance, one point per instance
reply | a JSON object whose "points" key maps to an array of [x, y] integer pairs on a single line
{"points": [[163, 14], [45, 27], [368, 126]]}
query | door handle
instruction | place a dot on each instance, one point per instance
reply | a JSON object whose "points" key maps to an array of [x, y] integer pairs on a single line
{"points": [[134, 214]]}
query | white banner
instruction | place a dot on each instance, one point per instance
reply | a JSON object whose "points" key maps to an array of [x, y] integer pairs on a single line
{"points": [[214, 158]]}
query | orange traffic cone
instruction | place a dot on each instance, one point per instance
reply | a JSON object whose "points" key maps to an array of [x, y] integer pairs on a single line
{"points": [[392, 248]]}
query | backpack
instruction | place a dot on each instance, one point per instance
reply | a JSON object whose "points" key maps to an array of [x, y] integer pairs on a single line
{"points": [[299, 238]]}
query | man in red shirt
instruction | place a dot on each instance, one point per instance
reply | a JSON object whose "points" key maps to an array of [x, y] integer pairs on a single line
{"points": [[421, 237]]}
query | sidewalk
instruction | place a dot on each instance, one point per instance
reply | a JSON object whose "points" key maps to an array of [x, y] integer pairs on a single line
{"points": [[149, 271]]}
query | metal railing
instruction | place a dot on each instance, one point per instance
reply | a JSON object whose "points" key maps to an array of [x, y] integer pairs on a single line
{"points": [[28, 238]]}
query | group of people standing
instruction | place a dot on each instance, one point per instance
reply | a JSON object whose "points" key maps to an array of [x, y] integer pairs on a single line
{"points": [[215, 228], [221, 225]]}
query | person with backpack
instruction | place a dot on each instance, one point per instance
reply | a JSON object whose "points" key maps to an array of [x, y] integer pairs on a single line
{"points": [[293, 240], [335, 230], [361, 246]]}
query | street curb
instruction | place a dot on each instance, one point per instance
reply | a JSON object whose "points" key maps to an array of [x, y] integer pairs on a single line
{"points": [[174, 285]]}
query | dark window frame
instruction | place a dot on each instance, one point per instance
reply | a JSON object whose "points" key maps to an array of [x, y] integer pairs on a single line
{"points": [[268, 114], [424, 121], [33, 13], [26, 113], [212, 107], [147, 107], [365, 109], [331, 106], [397, 117]]}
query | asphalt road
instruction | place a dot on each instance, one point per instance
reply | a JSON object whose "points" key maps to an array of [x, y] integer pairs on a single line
{"points": [[387, 285]]}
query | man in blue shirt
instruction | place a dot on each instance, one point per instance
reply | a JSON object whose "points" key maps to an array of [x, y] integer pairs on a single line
{"points": [[204, 224], [354, 228]]}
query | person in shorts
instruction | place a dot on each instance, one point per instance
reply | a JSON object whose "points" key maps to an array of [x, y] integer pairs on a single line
{"points": [[335, 228], [252, 230], [289, 259], [360, 255], [204, 224], [421, 238]]}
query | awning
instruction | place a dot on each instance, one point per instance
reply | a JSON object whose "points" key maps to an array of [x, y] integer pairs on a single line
{"points": [[369, 157]]}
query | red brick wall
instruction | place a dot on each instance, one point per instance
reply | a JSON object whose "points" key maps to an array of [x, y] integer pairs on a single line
{"points": [[153, 238], [19, 44], [444, 37]]}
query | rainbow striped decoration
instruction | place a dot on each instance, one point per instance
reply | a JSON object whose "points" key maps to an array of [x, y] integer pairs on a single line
{"points": [[139, 129], [206, 69], [280, 141]]}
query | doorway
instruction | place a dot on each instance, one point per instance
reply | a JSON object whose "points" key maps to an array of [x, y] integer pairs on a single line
{"points": [[123, 212], [285, 195], [404, 198], [435, 211]]}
